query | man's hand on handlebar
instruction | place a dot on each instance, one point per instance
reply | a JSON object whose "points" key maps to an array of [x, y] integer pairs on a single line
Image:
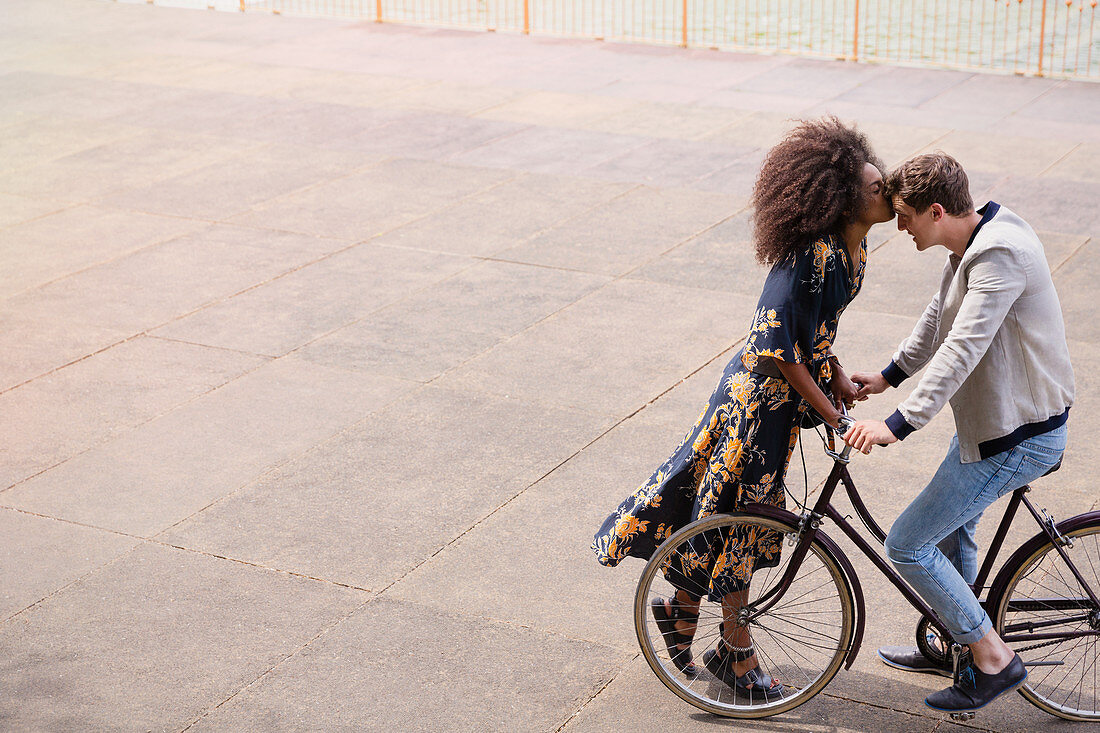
{"points": [[869, 383], [866, 434]]}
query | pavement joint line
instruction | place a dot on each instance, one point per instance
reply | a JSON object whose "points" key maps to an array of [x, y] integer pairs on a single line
{"points": [[126, 429], [280, 464], [630, 651], [684, 241], [576, 453], [260, 566], [67, 364], [385, 306], [560, 268], [324, 631], [39, 217], [1071, 255], [954, 86], [911, 713], [1053, 165], [594, 695], [269, 357], [117, 257], [142, 540], [204, 306], [85, 575]]}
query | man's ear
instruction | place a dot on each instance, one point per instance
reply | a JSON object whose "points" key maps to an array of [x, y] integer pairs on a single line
{"points": [[937, 212]]}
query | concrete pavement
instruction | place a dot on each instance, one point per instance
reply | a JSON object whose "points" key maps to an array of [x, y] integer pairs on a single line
{"points": [[327, 345]]}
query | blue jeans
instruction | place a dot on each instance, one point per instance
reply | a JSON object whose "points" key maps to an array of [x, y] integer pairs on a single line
{"points": [[932, 542]]}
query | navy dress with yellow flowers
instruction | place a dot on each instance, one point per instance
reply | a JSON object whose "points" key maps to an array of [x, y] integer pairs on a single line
{"points": [[737, 451]]}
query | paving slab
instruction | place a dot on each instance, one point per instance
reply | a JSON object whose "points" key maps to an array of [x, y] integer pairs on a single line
{"points": [[1081, 164], [66, 412], [33, 346], [812, 78], [546, 532], [1000, 95], [1020, 156], [140, 162], [498, 677], [156, 284], [663, 119], [550, 150], [288, 312], [98, 99], [148, 479], [668, 163], [587, 356], [722, 258], [38, 139], [559, 109], [1050, 204], [498, 219], [1065, 102], [68, 241], [49, 556], [182, 633], [18, 209], [618, 236], [374, 201], [905, 86], [238, 183], [406, 482], [439, 328]]}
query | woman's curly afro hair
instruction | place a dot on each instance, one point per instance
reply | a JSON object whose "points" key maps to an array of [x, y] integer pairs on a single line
{"points": [[809, 186]]}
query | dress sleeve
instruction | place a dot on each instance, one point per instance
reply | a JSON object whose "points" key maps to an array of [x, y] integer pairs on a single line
{"points": [[787, 315]]}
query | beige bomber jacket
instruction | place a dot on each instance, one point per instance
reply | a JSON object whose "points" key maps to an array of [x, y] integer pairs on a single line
{"points": [[993, 343]]}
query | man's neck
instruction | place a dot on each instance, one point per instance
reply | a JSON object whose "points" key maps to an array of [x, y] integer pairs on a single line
{"points": [[959, 230]]}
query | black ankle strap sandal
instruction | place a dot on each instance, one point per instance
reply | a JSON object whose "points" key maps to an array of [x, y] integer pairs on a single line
{"points": [[753, 683], [677, 642]]}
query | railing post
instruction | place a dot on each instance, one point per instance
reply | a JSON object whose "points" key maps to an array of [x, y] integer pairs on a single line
{"points": [[855, 36], [1042, 37], [527, 17], [684, 29]]}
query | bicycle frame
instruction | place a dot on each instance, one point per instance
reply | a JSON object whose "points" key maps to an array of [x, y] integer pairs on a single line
{"points": [[809, 524]]}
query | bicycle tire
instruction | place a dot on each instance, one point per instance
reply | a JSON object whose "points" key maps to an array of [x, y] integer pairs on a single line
{"points": [[788, 639], [1063, 674]]}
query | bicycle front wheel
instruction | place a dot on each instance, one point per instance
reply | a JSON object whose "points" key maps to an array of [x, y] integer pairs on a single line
{"points": [[801, 640], [1046, 616]]}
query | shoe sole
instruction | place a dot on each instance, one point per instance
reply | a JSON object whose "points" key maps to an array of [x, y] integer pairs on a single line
{"points": [[1007, 690], [928, 670]]}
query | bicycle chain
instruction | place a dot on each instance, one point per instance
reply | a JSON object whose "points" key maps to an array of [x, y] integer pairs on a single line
{"points": [[1040, 644]]}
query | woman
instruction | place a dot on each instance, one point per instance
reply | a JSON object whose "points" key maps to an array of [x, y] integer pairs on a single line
{"points": [[817, 194]]}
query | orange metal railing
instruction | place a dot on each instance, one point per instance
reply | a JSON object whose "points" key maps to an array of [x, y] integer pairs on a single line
{"points": [[1036, 37]]}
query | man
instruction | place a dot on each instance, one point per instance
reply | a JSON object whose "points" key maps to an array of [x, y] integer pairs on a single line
{"points": [[992, 343]]}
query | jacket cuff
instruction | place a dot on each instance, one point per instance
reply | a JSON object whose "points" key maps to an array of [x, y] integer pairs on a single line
{"points": [[894, 375], [898, 426]]}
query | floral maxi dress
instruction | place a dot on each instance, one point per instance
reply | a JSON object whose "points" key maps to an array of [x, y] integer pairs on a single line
{"points": [[737, 451]]}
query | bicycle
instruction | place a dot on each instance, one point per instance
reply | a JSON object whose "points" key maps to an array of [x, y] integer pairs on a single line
{"points": [[806, 615]]}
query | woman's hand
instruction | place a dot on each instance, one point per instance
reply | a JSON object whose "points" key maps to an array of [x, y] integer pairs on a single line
{"points": [[799, 377], [845, 391], [870, 383]]}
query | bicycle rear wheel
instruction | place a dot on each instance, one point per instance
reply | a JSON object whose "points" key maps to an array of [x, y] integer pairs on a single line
{"points": [[1044, 597], [801, 640]]}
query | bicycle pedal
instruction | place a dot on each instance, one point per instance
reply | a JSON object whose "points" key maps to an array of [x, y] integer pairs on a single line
{"points": [[963, 716]]}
